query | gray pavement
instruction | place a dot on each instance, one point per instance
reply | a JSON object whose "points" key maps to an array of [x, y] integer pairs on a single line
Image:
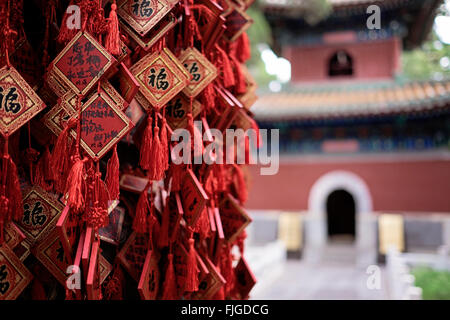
{"points": [[335, 277]]}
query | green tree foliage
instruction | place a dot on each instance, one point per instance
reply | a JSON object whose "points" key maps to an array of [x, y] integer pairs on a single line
{"points": [[434, 283], [430, 60]]}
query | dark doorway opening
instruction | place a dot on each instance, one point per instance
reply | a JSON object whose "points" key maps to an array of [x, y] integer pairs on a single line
{"points": [[341, 215], [340, 64]]}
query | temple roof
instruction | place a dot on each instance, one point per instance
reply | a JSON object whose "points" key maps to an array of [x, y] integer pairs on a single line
{"points": [[352, 99], [411, 20]]}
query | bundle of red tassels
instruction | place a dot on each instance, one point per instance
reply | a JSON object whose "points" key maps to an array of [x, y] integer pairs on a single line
{"points": [[95, 202]]}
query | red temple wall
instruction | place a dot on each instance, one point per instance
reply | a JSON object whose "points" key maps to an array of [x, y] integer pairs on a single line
{"points": [[371, 60], [420, 186]]}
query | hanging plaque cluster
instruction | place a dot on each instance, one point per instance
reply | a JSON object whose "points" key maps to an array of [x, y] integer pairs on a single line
{"points": [[92, 204]]}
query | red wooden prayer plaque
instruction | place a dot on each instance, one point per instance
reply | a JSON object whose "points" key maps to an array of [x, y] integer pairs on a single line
{"points": [[202, 71], [103, 124], [142, 15], [133, 254], [87, 247], [57, 117], [40, 214], [82, 63], [50, 253], [14, 276], [175, 214], [180, 256], [245, 279], [234, 218], [211, 284], [133, 183], [237, 22], [12, 235], [22, 250], [68, 230], [161, 77], [104, 268], [156, 33], [148, 286], [128, 84], [18, 101], [111, 233], [194, 198], [177, 110], [93, 287], [249, 97]]}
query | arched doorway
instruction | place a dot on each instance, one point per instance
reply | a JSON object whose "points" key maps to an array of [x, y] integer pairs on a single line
{"points": [[316, 234], [341, 218], [340, 64]]}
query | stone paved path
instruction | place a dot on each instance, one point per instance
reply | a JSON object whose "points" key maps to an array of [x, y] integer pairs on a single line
{"points": [[335, 277]]}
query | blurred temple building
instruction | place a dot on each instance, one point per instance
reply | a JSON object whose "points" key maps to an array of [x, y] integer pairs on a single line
{"points": [[364, 155]]}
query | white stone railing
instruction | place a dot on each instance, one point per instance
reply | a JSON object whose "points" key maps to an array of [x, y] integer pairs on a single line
{"points": [[400, 280]]}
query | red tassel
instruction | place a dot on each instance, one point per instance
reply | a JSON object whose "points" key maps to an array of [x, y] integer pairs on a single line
{"points": [[140, 219], [191, 284], [74, 185], [156, 172], [226, 269], [241, 86], [112, 175], [203, 226], [209, 96], [163, 240], [170, 285], [37, 290], [164, 146], [220, 295], [227, 70], [66, 34], [49, 174], [60, 158], [241, 189], [176, 171], [243, 52], [146, 146], [11, 199], [112, 41]]}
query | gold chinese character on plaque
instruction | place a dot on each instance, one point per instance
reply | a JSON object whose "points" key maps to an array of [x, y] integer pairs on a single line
{"points": [[18, 101], [161, 77], [202, 71], [143, 15]]}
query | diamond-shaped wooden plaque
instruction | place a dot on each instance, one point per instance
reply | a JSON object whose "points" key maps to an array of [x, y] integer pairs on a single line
{"points": [[148, 285], [41, 211], [50, 253], [161, 77], [18, 101], [233, 217], [82, 63], [245, 279], [14, 276], [133, 253], [177, 110], [13, 236], [103, 124], [158, 31], [202, 71], [193, 197], [142, 15], [237, 22], [57, 117]]}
